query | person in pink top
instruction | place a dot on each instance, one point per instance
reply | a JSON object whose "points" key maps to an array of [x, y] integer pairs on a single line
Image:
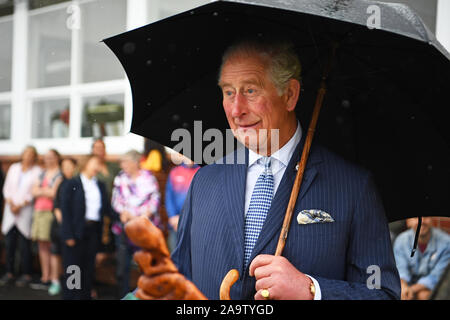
{"points": [[135, 193], [18, 212], [44, 191]]}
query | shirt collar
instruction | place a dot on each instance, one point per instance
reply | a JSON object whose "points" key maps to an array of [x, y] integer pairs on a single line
{"points": [[85, 179], [284, 154]]}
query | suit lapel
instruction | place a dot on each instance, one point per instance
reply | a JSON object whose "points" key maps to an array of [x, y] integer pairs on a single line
{"points": [[235, 177], [275, 216]]}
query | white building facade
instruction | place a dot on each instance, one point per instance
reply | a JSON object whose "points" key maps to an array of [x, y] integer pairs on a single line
{"points": [[60, 86]]}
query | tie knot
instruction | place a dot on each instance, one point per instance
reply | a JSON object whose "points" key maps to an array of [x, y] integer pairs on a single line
{"points": [[266, 162]]}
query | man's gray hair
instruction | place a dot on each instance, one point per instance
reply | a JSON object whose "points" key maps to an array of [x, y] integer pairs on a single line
{"points": [[132, 155], [283, 61]]}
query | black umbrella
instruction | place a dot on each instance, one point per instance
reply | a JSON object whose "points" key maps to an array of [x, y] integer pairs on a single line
{"points": [[385, 105]]}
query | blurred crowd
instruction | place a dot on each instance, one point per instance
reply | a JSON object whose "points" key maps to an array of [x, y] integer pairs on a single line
{"points": [[75, 210]]}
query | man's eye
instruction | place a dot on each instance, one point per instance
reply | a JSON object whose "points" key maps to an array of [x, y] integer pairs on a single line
{"points": [[229, 93], [250, 91]]}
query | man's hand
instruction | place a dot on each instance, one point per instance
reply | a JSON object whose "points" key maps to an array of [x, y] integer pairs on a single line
{"points": [[58, 215], [420, 292], [70, 242], [406, 294], [125, 216], [280, 277], [173, 221], [15, 209], [147, 213]]}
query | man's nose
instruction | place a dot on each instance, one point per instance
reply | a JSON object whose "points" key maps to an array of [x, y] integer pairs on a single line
{"points": [[239, 106]]}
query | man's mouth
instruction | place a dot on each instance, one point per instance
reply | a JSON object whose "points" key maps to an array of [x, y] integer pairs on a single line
{"points": [[248, 125]]}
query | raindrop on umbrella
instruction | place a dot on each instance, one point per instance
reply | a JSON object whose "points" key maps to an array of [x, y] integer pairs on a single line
{"points": [[176, 117], [129, 48], [172, 48], [345, 104], [340, 120]]}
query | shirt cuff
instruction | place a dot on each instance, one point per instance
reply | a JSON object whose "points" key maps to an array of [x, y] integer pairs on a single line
{"points": [[318, 294], [427, 282]]}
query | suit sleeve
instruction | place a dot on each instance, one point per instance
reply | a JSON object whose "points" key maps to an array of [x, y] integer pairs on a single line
{"points": [[369, 249], [182, 253], [67, 194]]}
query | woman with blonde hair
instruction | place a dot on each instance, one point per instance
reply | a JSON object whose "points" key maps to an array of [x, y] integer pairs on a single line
{"points": [[18, 213]]}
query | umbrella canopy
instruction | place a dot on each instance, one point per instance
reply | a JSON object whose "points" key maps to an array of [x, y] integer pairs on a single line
{"points": [[386, 100]]}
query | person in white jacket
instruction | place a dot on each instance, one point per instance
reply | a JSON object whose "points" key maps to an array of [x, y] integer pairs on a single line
{"points": [[18, 213]]}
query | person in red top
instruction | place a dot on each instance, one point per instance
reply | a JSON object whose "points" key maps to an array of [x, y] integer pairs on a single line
{"points": [[177, 187], [44, 191]]}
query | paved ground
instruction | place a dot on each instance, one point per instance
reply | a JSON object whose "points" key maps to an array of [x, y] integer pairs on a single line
{"points": [[105, 284], [11, 292]]}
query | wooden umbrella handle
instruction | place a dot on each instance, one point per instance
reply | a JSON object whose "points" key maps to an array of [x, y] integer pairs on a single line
{"points": [[301, 170], [227, 282], [305, 153]]}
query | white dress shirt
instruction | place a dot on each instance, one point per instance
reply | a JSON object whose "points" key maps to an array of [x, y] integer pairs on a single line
{"points": [[93, 198], [280, 161]]}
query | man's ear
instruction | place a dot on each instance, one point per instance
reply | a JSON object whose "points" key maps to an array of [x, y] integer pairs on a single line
{"points": [[291, 94]]}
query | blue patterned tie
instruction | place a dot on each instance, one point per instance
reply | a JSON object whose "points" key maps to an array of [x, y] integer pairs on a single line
{"points": [[259, 206]]}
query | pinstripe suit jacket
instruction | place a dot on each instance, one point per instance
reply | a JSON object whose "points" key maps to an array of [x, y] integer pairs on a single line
{"points": [[337, 254]]}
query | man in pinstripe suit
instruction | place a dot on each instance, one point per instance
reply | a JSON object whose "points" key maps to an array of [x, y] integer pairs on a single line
{"points": [[339, 247]]}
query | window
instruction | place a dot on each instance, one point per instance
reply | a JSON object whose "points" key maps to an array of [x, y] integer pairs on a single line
{"points": [[63, 51], [68, 84], [33, 4], [6, 7], [99, 20], [167, 8], [5, 121], [103, 116], [50, 118], [49, 50], [6, 34]]}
